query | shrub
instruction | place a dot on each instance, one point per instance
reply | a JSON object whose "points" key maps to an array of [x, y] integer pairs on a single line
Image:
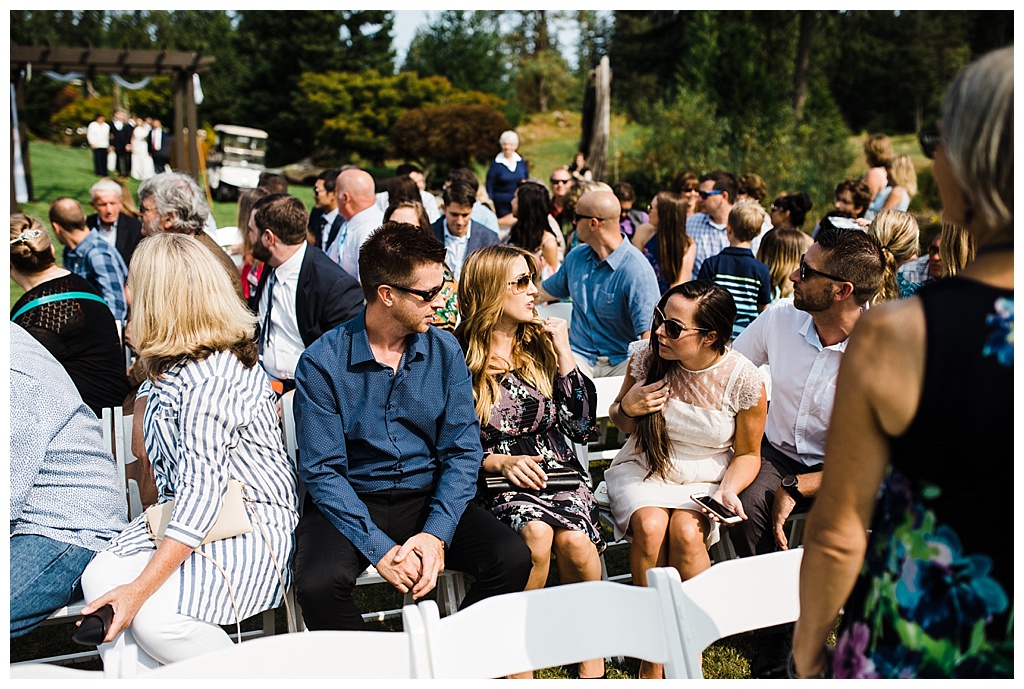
{"points": [[448, 135]]}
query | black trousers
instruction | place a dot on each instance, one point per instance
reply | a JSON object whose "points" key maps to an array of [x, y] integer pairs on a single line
{"points": [[99, 161], [755, 536], [327, 563]]}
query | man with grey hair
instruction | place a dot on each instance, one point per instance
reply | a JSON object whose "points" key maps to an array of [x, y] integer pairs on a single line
{"points": [[119, 230], [173, 202]]}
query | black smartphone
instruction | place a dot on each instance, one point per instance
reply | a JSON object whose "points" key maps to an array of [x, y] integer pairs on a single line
{"points": [[94, 627], [720, 510]]}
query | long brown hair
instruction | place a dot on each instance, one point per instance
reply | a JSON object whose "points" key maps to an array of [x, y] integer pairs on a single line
{"points": [[716, 311], [673, 242], [482, 288]]}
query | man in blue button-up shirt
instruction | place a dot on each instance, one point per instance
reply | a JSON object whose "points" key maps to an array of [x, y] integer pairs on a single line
{"points": [[389, 446]]}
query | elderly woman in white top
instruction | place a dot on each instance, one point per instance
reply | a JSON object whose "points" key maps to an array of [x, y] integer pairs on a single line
{"points": [[210, 419], [507, 171]]}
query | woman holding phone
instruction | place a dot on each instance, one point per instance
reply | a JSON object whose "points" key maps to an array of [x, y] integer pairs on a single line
{"points": [[696, 411]]}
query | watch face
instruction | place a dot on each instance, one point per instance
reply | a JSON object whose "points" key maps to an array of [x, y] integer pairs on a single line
{"points": [[789, 481]]}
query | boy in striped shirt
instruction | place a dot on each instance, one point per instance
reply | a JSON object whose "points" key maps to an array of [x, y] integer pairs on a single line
{"points": [[736, 269]]}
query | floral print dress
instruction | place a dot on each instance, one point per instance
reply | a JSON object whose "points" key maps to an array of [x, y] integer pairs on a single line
{"points": [[524, 422], [935, 595]]}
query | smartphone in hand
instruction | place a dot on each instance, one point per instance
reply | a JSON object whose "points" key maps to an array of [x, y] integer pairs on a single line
{"points": [[718, 509]]}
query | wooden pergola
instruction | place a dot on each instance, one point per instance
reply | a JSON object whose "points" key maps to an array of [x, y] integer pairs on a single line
{"points": [[179, 65]]}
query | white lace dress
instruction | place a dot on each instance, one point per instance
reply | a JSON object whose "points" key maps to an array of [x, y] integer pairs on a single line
{"points": [[701, 420]]}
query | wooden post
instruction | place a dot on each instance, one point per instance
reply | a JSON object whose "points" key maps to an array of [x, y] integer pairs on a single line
{"points": [[597, 154], [180, 157]]}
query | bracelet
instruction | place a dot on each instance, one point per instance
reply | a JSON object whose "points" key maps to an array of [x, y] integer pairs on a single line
{"points": [[622, 410]]}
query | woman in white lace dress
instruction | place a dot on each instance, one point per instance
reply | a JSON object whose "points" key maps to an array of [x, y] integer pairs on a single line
{"points": [[695, 410]]}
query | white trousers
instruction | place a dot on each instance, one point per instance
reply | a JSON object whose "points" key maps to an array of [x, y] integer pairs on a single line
{"points": [[160, 632]]}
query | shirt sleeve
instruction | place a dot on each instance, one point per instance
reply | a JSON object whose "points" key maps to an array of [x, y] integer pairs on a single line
{"points": [[459, 450], [753, 341], [575, 397], [643, 298], [29, 440], [323, 460], [209, 419], [558, 284]]}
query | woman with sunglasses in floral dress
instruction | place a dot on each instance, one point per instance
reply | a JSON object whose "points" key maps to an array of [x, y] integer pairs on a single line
{"points": [[696, 411], [529, 396]]}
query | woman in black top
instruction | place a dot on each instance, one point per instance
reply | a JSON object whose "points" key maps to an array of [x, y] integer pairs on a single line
{"points": [[68, 316], [920, 450]]}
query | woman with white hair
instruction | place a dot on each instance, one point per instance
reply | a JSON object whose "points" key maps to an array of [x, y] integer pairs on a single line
{"points": [[507, 171], [910, 531]]}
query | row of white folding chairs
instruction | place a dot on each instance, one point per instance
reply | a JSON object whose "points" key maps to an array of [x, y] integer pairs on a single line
{"points": [[668, 622]]}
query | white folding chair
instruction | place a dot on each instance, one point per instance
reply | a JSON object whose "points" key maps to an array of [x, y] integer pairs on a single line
{"points": [[530, 630], [313, 655], [559, 309], [48, 671], [730, 598], [607, 388]]}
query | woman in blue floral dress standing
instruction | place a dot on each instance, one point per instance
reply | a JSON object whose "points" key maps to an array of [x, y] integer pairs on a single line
{"points": [[924, 410], [529, 396]]}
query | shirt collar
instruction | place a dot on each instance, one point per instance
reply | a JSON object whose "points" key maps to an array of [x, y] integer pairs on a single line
{"points": [[329, 217], [449, 236], [510, 164], [361, 352], [617, 257], [292, 266]]}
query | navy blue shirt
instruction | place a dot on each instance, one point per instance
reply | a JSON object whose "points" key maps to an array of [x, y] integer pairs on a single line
{"points": [[747, 279], [363, 428]]}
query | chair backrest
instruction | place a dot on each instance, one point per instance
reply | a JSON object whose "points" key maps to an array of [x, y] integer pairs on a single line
{"points": [[730, 598], [51, 671], [312, 655], [607, 389], [530, 630], [288, 427], [559, 309], [117, 437]]}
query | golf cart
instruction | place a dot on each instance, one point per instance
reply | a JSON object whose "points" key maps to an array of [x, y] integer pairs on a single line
{"points": [[235, 161]]}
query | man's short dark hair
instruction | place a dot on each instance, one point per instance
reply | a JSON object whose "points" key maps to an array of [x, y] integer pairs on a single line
{"points": [[859, 191], [466, 176], [624, 191], [855, 256], [726, 181], [329, 178], [407, 169], [392, 253], [460, 193], [273, 182], [284, 215]]}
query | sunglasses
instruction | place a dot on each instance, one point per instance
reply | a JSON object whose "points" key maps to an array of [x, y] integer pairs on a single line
{"points": [[427, 295], [806, 270], [560, 181], [674, 329], [576, 217], [929, 140], [713, 192], [521, 283]]}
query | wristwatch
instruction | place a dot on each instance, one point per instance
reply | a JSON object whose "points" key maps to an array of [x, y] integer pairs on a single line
{"points": [[792, 486]]}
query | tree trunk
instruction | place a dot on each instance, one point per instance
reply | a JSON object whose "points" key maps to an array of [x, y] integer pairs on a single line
{"points": [[803, 61], [597, 153]]}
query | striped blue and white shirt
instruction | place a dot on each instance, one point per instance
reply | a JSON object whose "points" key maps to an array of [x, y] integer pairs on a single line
{"points": [[207, 422]]}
